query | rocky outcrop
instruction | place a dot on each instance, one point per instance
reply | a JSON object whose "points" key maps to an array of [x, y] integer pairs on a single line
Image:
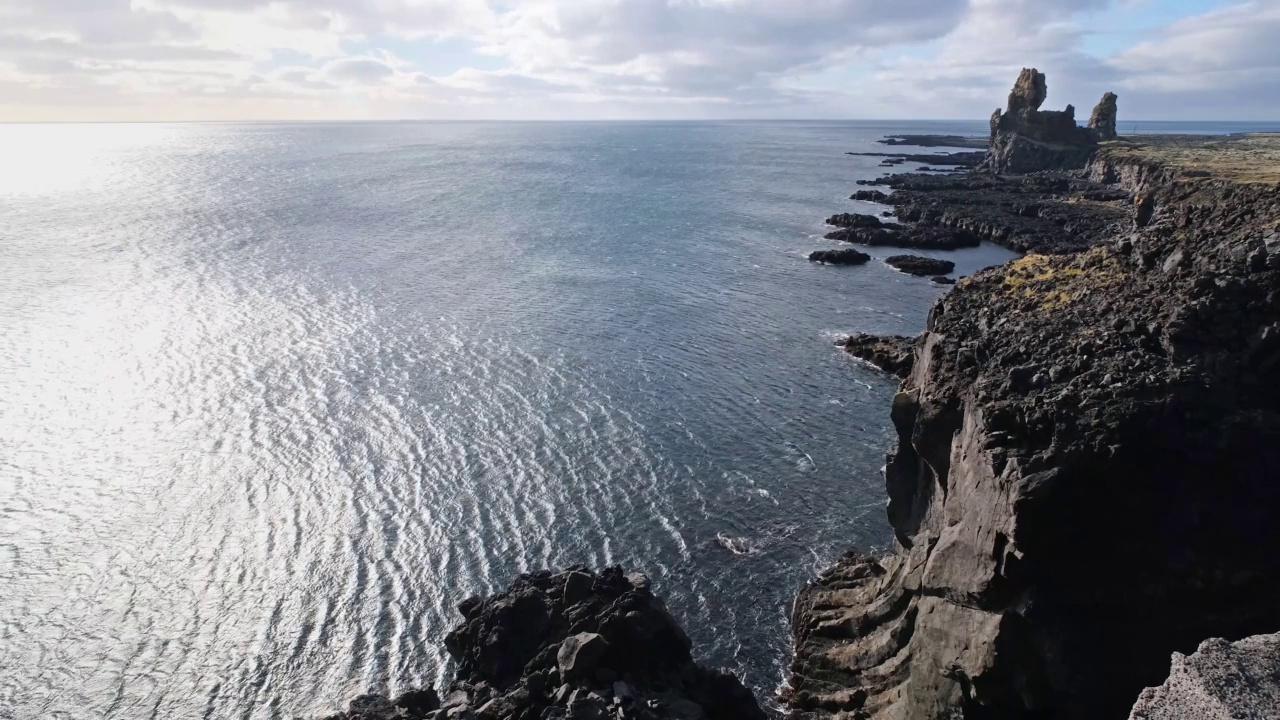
{"points": [[846, 256], [1220, 681], [1103, 120], [921, 237], [918, 265], [1084, 480], [894, 354], [1044, 213], [1026, 139], [854, 220], [575, 645]]}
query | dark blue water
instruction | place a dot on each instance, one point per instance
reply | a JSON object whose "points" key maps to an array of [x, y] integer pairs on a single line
{"points": [[276, 397]]}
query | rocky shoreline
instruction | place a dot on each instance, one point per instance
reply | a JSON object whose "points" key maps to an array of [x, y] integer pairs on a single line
{"points": [[1089, 444], [1084, 481]]}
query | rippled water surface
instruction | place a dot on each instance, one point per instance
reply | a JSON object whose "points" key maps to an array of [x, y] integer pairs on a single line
{"points": [[274, 398]]}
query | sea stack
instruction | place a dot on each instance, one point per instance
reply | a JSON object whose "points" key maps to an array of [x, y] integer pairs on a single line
{"points": [[1103, 120], [1026, 139]]}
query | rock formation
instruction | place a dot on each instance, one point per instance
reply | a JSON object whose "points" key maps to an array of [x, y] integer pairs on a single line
{"points": [[1026, 139], [846, 256], [1085, 478], [917, 265], [575, 645], [1103, 120], [1220, 681], [893, 354]]}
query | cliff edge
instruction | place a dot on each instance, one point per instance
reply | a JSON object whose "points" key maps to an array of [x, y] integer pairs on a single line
{"points": [[1085, 479]]}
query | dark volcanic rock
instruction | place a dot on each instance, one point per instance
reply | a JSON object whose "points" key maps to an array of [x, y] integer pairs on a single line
{"points": [[1047, 212], [918, 237], [846, 256], [574, 644], [1103, 120], [893, 354], [870, 196], [1026, 139], [943, 280], [1085, 479], [854, 220], [917, 265]]}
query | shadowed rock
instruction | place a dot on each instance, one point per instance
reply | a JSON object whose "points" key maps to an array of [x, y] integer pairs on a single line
{"points": [[574, 644]]}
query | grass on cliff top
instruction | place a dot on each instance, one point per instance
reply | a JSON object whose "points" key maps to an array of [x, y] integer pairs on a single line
{"points": [[1250, 158], [1060, 280]]}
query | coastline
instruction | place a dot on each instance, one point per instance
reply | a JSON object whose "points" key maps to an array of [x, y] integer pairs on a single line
{"points": [[1084, 391]]}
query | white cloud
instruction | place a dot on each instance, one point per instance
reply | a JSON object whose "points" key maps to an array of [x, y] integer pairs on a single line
{"points": [[856, 58]]}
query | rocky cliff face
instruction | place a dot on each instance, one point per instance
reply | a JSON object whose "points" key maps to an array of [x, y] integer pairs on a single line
{"points": [[1026, 139], [572, 645], [1085, 479]]}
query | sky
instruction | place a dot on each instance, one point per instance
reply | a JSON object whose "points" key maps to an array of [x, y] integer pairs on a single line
{"points": [[162, 60]]}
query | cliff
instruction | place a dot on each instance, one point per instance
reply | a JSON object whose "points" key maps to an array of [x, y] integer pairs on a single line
{"points": [[1085, 478]]}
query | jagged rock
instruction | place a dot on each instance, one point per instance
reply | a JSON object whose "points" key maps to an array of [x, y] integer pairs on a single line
{"points": [[917, 265], [579, 654], [1029, 213], [574, 644], [943, 280], [893, 354], [1220, 681], [1084, 480], [854, 220], [847, 256], [412, 705], [919, 237], [1026, 139], [869, 196], [1103, 120]]}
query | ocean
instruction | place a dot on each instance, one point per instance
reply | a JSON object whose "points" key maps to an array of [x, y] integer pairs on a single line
{"points": [[276, 397]]}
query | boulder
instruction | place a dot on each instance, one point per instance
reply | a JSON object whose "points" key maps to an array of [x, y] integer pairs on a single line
{"points": [[579, 654]]}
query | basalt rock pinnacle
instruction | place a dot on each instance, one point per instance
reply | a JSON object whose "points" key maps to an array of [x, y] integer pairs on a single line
{"points": [[1103, 120], [1026, 139]]}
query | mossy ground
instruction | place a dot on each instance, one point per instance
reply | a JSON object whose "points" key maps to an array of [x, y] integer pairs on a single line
{"points": [[1056, 281], [1251, 158]]}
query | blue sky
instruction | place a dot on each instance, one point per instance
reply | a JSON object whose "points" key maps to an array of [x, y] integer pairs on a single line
{"points": [[601, 59]]}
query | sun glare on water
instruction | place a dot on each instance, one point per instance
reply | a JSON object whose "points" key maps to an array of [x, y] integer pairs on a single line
{"points": [[45, 159]]}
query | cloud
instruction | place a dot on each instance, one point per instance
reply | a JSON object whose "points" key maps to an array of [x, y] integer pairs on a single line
{"points": [[829, 58]]}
